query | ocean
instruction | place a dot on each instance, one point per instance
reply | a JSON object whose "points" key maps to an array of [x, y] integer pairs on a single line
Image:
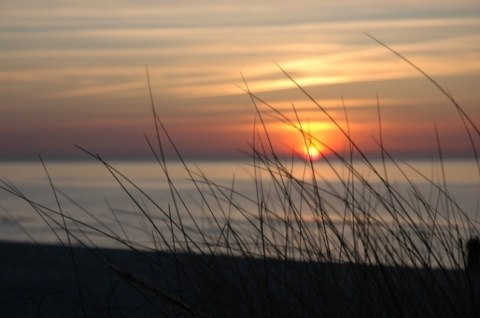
{"points": [[197, 202]]}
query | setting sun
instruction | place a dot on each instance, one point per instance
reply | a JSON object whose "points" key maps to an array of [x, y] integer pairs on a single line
{"points": [[311, 136], [312, 152]]}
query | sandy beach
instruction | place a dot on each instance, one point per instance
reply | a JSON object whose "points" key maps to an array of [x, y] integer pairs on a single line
{"points": [[56, 281]]}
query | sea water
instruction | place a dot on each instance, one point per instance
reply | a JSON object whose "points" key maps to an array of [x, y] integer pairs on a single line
{"points": [[149, 204]]}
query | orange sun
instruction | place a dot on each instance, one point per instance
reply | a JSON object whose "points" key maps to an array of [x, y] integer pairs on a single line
{"points": [[312, 152], [306, 140]]}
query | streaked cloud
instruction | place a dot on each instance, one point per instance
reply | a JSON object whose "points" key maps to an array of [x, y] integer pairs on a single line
{"points": [[90, 57]]}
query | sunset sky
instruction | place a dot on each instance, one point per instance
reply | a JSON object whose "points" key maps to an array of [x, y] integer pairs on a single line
{"points": [[74, 73]]}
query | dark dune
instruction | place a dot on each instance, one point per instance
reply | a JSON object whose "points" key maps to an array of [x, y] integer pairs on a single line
{"points": [[53, 281]]}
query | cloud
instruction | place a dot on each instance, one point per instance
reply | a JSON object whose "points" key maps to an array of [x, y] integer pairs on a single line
{"points": [[90, 56]]}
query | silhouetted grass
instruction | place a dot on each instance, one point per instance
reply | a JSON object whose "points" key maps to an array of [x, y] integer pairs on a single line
{"points": [[359, 246]]}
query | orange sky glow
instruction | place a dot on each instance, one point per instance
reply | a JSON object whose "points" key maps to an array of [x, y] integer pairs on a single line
{"points": [[73, 73]]}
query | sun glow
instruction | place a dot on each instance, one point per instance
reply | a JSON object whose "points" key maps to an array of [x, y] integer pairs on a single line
{"points": [[312, 135], [312, 152], [308, 140]]}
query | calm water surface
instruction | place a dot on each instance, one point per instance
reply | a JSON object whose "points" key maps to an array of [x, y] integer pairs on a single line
{"points": [[90, 194]]}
